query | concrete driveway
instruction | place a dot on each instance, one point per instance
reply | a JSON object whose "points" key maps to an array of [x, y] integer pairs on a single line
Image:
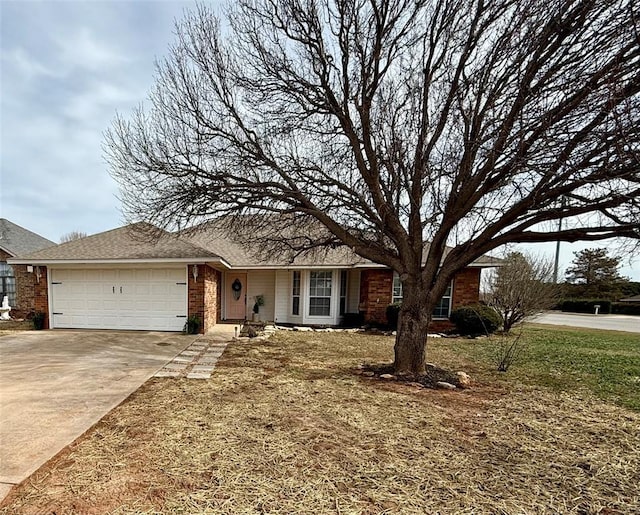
{"points": [[54, 385], [608, 322]]}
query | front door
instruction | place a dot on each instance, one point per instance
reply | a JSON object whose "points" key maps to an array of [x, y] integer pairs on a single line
{"points": [[236, 296]]}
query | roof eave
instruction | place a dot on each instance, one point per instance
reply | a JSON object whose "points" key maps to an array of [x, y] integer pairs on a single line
{"points": [[191, 260], [5, 249]]}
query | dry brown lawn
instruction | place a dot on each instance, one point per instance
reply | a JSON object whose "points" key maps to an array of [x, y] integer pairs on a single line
{"points": [[287, 426]]}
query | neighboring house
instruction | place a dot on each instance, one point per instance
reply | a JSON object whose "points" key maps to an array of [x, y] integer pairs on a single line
{"points": [[16, 281], [116, 280], [631, 300]]}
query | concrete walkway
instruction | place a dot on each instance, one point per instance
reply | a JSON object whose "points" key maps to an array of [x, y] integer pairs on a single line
{"points": [[199, 359], [54, 385]]}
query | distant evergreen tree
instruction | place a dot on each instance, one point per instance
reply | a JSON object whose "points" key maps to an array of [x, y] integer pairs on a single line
{"points": [[595, 274]]}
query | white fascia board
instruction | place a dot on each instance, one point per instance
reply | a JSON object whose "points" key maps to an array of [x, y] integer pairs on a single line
{"points": [[6, 250], [152, 261], [296, 267]]}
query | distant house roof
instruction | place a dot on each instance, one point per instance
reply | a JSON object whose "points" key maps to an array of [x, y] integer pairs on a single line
{"points": [[634, 298], [136, 242], [16, 240], [210, 242]]}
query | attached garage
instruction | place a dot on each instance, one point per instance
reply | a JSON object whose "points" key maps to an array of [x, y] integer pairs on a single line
{"points": [[152, 299]]}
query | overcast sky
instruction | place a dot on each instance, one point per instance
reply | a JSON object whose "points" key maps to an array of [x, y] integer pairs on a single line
{"points": [[66, 68]]}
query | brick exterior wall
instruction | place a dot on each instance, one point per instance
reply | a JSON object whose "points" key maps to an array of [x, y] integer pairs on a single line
{"points": [[211, 297], [376, 290], [41, 294], [204, 294], [466, 287], [25, 293]]}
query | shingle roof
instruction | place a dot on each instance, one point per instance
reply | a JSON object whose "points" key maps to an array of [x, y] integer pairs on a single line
{"points": [[215, 237], [125, 243], [17, 240], [634, 298], [211, 241]]}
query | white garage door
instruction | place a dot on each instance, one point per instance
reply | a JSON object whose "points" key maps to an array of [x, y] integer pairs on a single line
{"points": [[146, 299]]}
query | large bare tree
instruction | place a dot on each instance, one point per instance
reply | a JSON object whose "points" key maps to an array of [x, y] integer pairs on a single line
{"points": [[392, 124]]}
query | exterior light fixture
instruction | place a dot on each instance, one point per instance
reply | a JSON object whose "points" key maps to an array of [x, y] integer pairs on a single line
{"points": [[38, 273], [194, 272]]}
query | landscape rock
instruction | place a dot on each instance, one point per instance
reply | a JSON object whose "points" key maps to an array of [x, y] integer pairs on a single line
{"points": [[464, 381], [445, 386], [387, 376], [368, 373], [302, 328], [430, 365]]}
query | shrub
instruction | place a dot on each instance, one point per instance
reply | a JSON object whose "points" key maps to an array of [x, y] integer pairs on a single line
{"points": [[586, 306], [508, 349], [352, 320], [38, 320], [475, 319], [393, 311], [192, 325], [622, 308]]}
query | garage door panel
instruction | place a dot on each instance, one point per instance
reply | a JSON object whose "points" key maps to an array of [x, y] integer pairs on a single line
{"points": [[105, 275], [119, 299], [127, 275], [142, 275]]}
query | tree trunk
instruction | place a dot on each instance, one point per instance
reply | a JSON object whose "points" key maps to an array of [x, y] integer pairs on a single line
{"points": [[411, 339]]}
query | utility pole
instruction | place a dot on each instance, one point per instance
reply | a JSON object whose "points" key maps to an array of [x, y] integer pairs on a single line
{"points": [[557, 260]]}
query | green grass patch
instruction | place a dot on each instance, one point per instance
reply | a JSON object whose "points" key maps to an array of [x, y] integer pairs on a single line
{"points": [[605, 362]]}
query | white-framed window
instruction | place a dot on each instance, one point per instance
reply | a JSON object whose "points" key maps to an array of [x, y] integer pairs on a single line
{"points": [[295, 293], [343, 292], [320, 293], [7, 283], [443, 308], [396, 296]]}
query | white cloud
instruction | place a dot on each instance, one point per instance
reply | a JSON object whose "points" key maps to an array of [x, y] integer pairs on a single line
{"points": [[26, 64], [82, 49]]}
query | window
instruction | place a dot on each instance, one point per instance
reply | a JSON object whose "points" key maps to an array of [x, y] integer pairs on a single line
{"points": [[441, 310], [7, 283], [397, 289], [295, 293], [343, 292], [320, 293]]}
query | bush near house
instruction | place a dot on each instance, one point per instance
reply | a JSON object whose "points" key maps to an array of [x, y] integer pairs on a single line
{"points": [[393, 312], [475, 319]]}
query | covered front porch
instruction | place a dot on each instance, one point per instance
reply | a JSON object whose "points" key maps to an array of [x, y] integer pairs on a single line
{"points": [[290, 296]]}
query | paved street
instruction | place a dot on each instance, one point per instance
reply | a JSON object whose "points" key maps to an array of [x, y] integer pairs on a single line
{"points": [[608, 322]]}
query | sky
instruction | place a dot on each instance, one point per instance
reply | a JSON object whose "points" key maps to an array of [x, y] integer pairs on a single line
{"points": [[66, 69]]}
